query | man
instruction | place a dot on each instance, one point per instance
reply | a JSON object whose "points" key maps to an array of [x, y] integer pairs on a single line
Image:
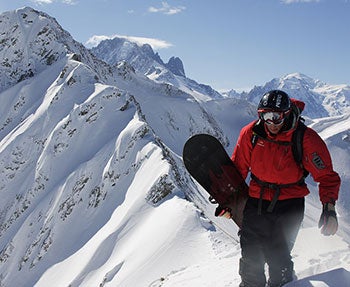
{"points": [[275, 207]]}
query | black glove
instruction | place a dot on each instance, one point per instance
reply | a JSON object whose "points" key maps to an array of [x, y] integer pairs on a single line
{"points": [[328, 220], [223, 211]]}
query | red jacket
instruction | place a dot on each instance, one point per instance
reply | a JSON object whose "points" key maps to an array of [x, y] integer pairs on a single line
{"points": [[274, 163]]}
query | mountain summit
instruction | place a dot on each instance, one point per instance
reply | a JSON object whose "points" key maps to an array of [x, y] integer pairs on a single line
{"points": [[30, 42], [142, 58]]}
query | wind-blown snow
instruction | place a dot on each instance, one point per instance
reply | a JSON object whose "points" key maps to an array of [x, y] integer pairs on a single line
{"points": [[93, 188]]}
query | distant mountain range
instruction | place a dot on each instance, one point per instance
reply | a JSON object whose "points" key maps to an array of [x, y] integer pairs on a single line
{"points": [[321, 99], [92, 185], [146, 62]]}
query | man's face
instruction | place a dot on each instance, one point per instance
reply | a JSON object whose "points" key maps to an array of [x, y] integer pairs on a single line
{"points": [[274, 128], [273, 120]]}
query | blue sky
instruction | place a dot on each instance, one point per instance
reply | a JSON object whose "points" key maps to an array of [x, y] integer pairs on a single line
{"points": [[227, 44]]}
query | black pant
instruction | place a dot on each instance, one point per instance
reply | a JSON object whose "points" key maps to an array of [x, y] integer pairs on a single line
{"points": [[269, 238]]}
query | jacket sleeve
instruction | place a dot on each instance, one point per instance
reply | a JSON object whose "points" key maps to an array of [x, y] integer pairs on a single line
{"points": [[318, 162], [242, 152]]}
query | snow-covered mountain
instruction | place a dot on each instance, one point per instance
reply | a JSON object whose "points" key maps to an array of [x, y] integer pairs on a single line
{"points": [[92, 185], [142, 58], [146, 62], [321, 99]]}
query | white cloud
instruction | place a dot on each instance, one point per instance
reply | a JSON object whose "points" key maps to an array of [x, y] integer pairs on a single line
{"points": [[166, 9], [70, 2], [42, 2], [298, 1], [156, 44]]}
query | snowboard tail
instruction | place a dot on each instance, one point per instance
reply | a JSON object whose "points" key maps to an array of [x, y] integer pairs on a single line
{"points": [[209, 164]]}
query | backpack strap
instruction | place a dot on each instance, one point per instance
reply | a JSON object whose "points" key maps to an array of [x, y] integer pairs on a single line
{"points": [[297, 139], [258, 132]]}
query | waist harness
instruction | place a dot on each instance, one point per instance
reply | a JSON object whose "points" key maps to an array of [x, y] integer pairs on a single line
{"points": [[276, 188]]}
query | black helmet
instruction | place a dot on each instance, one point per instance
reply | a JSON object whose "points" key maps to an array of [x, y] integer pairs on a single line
{"points": [[275, 100]]}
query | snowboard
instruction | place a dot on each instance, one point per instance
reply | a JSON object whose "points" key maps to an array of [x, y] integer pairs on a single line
{"points": [[209, 164]]}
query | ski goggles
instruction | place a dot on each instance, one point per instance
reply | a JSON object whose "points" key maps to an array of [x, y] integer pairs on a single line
{"points": [[273, 118]]}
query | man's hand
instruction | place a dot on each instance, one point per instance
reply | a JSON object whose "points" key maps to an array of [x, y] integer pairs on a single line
{"points": [[223, 212], [328, 220]]}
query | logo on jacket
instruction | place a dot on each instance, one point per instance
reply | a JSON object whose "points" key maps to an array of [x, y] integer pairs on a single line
{"points": [[317, 161]]}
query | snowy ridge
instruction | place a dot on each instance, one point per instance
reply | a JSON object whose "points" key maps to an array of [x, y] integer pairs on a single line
{"points": [[79, 180], [94, 192]]}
